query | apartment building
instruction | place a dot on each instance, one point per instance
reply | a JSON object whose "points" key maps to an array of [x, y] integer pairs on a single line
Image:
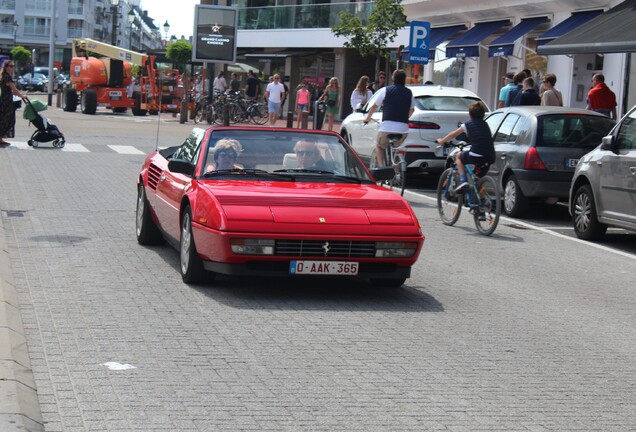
{"points": [[28, 23]]}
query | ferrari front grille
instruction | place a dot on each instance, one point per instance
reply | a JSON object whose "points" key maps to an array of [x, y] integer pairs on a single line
{"points": [[325, 248]]}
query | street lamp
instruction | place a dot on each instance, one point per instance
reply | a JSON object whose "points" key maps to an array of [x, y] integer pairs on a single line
{"points": [[131, 20], [15, 31], [114, 4]]}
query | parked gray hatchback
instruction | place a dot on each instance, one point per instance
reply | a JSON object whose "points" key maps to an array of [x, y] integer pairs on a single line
{"points": [[603, 190], [537, 149]]}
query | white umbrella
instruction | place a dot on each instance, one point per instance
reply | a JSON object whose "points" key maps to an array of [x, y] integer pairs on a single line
{"points": [[241, 68]]}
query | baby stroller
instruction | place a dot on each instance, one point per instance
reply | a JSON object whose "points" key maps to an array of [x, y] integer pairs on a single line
{"points": [[45, 130]]}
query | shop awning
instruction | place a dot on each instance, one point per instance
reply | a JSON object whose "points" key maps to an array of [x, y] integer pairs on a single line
{"points": [[612, 32], [505, 44], [467, 45], [279, 54], [576, 20], [438, 36]]}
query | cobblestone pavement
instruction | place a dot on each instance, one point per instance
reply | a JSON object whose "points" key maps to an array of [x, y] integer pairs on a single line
{"points": [[519, 332]]}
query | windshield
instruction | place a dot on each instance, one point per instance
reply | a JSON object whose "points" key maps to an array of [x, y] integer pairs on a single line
{"points": [[312, 156], [444, 103]]}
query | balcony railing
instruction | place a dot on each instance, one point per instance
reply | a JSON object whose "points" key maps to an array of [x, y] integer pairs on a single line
{"points": [[6, 28], [75, 9], [7, 4], [74, 32], [300, 16], [30, 30], [38, 5]]}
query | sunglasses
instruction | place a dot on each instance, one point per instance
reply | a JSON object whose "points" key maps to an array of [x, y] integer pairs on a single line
{"points": [[227, 154], [10, 65], [305, 152]]}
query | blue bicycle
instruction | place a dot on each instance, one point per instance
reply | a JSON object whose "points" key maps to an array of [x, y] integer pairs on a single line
{"points": [[482, 197]]}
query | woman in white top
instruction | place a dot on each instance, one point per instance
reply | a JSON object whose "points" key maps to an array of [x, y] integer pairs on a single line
{"points": [[361, 93], [550, 95]]}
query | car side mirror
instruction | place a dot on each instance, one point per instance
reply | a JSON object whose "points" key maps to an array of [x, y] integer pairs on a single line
{"points": [[608, 143], [181, 166], [382, 173]]}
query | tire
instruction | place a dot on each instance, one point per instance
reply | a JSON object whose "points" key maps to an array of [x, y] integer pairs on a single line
{"points": [[219, 114], [191, 265], [147, 231], [449, 203], [70, 100], [388, 283], [584, 216], [89, 102], [515, 202], [399, 180], [258, 113], [136, 110], [489, 210]]}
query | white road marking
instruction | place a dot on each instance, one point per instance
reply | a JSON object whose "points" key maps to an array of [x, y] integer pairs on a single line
{"points": [[546, 231], [78, 148], [124, 149]]}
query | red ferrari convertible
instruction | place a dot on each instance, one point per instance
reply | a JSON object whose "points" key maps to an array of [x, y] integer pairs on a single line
{"points": [[272, 202]]}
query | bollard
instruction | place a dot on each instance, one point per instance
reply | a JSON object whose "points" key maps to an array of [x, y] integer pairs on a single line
{"points": [[226, 115], [58, 100], [290, 119], [304, 119], [183, 118]]}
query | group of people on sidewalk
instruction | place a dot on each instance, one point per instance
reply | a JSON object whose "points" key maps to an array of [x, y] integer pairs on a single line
{"points": [[521, 89]]}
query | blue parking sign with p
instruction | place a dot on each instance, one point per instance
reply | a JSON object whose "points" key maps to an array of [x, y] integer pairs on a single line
{"points": [[419, 42]]}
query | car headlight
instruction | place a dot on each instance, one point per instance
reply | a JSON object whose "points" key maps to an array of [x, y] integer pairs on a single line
{"points": [[252, 246], [395, 249]]}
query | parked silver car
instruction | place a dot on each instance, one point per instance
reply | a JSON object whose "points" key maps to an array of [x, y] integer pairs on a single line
{"points": [[537, 149], [603, 191]]}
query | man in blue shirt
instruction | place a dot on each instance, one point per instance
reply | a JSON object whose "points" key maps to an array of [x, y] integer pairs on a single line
{"points": [[505, 90]]}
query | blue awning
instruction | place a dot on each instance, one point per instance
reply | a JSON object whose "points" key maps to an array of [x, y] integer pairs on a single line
{"points": [[575, 20], [504, 45], [438, 36], [467, 45]]}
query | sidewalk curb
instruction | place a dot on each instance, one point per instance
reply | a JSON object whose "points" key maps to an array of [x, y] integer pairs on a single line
{"points": [[19, 405]]}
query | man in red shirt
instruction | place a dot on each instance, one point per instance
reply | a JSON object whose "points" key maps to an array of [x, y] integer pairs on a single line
{"points": [[600, 98]]}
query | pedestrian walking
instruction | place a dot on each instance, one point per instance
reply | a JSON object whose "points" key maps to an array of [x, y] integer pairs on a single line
{"points": [[302, 102], [332, 98], [600, 98], [361, 94], [7, 107], [274, 95], [550, 96]]}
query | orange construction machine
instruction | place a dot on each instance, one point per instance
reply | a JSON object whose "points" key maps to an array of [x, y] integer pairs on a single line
{"points": [[107, 81]]}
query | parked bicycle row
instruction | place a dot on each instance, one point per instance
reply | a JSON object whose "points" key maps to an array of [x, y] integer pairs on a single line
{"points": [[230, 108]]}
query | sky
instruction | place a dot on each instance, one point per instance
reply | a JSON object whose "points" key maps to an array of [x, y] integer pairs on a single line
{"points": [[179, 13]]}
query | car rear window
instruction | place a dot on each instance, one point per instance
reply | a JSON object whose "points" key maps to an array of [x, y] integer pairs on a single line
{"points": [[572, 130], [444, 103]]}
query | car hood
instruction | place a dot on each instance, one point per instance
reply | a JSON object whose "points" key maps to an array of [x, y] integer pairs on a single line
{"points": [[308, 208]]}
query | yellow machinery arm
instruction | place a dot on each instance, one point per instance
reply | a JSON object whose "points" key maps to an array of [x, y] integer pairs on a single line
{"points": [[81, 48]]}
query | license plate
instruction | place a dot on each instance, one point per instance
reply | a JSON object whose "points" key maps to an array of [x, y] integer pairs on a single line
{"points": [[333, 268], [571, 163], [114, 95]]}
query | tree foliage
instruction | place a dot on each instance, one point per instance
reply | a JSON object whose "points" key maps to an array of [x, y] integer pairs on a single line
{"points": [[180, 52], [21, 55], [371, 36]]}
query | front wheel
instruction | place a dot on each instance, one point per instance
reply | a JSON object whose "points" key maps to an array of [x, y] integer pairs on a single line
{"points": [[145, 227], [191, 265], [584, 217], [449, 203], [515, 202], [258, 113], [489, 206]]}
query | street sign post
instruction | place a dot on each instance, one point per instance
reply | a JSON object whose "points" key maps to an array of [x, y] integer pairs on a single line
{"points": [[419, 42]]}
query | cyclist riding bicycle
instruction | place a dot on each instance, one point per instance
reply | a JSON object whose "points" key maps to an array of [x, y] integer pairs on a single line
{"points": [[397, 106], [482, 147]]}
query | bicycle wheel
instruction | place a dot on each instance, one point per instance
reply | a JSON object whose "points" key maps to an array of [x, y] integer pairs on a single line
{"points": [[218, 114], [489, 208], [258, 113], [449, 203], [399, 166]]}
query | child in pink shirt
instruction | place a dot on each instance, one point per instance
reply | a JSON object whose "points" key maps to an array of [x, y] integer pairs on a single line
{"points": [[302, 102]]}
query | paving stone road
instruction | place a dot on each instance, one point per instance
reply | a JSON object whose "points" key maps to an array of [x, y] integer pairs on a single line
{"points": [[523, 331]]}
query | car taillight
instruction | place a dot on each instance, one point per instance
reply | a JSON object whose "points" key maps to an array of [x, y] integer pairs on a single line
{"points": [[423, 125], [533, 160]]}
